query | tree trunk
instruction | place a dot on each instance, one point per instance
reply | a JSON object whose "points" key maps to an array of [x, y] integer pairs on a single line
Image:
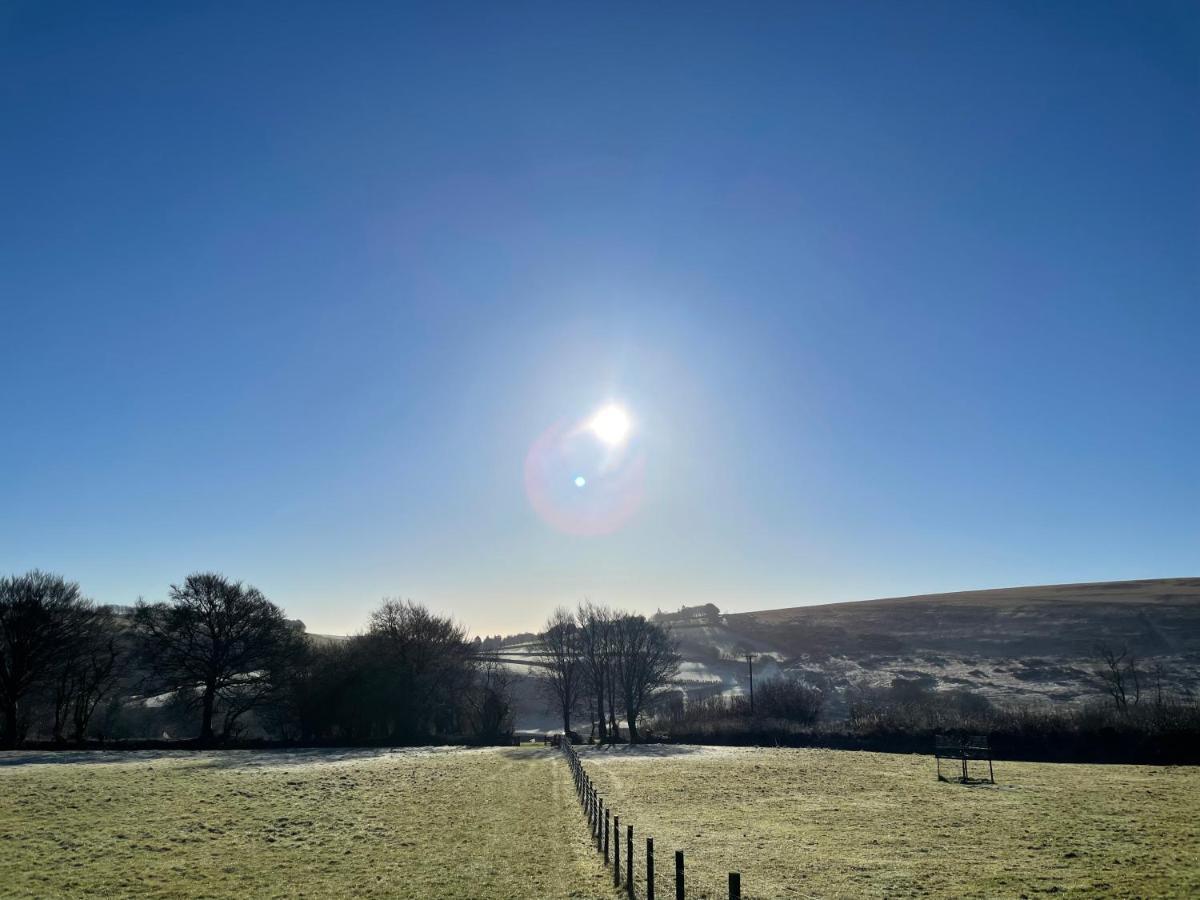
{"points": [[600, 716], [631, 718], [206, 728], [59, 724], [10, 724]]}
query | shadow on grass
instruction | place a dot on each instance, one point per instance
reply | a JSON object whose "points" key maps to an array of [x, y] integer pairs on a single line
{"points": [[642, 751], [221, 759], [608, 751]]}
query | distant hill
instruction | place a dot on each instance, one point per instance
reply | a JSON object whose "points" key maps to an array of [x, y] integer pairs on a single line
{"points": [[1025, 643], [1011, 642]]}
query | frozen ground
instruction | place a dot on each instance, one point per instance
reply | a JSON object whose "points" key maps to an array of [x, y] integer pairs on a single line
{"points": [[227, 759]]}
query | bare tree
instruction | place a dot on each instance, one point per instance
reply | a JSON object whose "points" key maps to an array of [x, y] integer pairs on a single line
{"points": [[88, 670], [491, 703], [595, 652], [217, 642], [646, 661], [562, 676], [1117, 671], [40, 617]]}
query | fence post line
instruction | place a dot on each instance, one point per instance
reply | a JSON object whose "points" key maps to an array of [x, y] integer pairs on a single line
{"points": [[606, 818], [629, 859], [735, 886], [649, 868], [616, 851], [601, 815], [679, 875]]}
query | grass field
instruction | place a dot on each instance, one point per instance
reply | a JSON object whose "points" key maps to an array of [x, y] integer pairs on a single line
{"points": [[468, 824], [505, 824], [827, 823]]}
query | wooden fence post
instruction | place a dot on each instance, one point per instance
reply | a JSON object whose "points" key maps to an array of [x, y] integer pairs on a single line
{"points": [[735, 886], [649, 868], [629, 859], [679, 875], [606, 817], [617, 851]]}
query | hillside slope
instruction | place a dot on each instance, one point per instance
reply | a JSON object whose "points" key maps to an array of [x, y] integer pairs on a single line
{"points": [[1011, 642]]}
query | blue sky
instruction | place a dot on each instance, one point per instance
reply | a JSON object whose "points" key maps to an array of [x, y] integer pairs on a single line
{"points": [[900, 298]]}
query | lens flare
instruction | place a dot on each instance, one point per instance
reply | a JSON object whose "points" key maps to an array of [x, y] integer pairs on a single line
{"points": [[587, 477], [610, 425]]}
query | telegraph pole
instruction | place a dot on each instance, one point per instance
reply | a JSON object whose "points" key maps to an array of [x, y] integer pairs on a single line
{"points": [[750, 663]]}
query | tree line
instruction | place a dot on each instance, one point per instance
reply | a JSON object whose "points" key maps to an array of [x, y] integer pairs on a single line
{"points": [[1136, 714], [217, 654], [605, 664]]}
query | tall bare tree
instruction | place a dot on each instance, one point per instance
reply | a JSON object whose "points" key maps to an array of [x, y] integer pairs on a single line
{"points": [[646, 661], [217, 642], [41, 616], [562, 675], [595, 651]]}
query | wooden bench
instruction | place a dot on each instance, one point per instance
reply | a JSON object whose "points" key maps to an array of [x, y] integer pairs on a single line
{"points": [[963, 749]]}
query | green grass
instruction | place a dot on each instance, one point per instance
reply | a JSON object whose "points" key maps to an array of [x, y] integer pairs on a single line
{"points": [[827, 823], [470, 824]]}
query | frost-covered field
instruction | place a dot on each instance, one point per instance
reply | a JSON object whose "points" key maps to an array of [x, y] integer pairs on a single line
{"points": [[498, 823], [828, 823], [310, 823]]}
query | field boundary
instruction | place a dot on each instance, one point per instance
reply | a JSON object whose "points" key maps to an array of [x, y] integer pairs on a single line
{"points": [[654, 883]]}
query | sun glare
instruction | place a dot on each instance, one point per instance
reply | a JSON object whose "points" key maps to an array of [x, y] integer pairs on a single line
{"points": [[610, 425]]}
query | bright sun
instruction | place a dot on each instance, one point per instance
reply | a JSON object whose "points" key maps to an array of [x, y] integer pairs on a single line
{"points": [[610, 424]]}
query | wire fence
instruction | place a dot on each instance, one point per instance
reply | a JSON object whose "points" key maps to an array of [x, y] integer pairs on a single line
{"points": [[642, 869]]}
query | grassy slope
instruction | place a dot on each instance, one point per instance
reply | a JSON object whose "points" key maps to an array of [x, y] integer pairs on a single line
{"points": [[1156, 617], [491, 823], [820, 823]]}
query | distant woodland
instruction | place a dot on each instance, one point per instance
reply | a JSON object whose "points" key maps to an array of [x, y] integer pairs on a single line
{"points": [[217, 663]]}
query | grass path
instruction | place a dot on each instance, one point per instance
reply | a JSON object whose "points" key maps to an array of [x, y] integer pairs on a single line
{"points": [[468, 824]]}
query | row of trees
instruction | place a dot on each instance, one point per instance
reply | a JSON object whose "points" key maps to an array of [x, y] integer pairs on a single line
{"points": [[220, 653], [604, 662], [411, 675]]}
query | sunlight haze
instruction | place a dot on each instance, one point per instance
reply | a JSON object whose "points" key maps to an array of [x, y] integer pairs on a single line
{"points": [[771, 307]]}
